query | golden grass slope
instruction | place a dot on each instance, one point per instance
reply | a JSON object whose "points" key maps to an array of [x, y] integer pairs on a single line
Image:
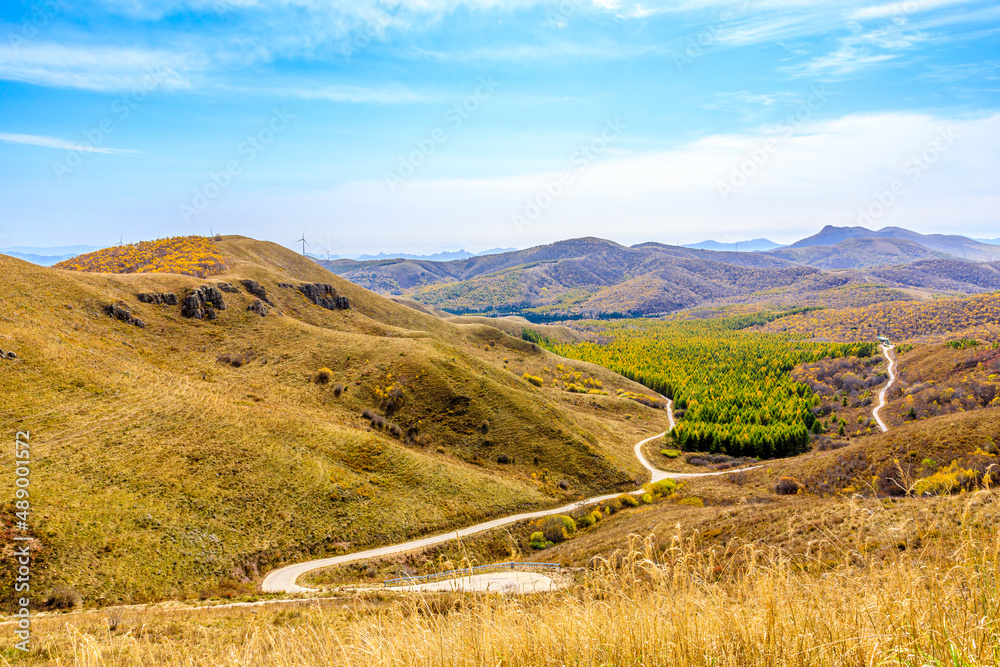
{"points": [[185, 255], [673, 601], [163, 471], [941, 319]]}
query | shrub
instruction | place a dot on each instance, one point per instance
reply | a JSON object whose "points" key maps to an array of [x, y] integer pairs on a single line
{"points": [[647, 498], [62, 597], [338, 389], [612, 506], [585, 521], [555, 529], [324, 375], [787, 486], [628, 500], [533, 379], [537, 540], [670, 453], [949, 480], [505, 459], [661, 489], [441, 450], [485, 426], [693, 501]]}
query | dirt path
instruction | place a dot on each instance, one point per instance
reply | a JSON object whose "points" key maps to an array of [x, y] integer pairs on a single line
{"points": [[283, 579], [892, 379], [493, 582]]}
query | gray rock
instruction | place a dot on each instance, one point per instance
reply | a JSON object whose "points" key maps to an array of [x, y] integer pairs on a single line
{"points": [[325, 296], [121, 313], [161, 298], [258, 307], [203, 303], [256, 289]]}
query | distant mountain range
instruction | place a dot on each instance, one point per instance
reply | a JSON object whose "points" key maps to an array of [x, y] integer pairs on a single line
{"points": [[436, 257], [592, 277], [756, 245], [47, 256], [957, 246]]}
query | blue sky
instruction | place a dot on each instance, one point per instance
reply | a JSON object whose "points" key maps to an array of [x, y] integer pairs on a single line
{"points": [[422, 125]]}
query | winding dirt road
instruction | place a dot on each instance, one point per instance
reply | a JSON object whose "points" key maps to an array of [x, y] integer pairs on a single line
{"points": [[892, 379], [283, 579]]}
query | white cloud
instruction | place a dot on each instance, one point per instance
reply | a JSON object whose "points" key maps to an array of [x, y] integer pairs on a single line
{"points": [[821, 174], [94, 68], [61, 144], [902, 9]]}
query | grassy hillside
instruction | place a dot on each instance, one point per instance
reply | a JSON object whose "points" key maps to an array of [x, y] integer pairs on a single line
{"points": [[851, 582], [188, 456], [924, 321], [859, 253], [577, 276], [596, 278]]}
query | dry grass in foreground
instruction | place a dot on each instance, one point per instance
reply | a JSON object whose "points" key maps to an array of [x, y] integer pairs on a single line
{"points": [[649, 606]]}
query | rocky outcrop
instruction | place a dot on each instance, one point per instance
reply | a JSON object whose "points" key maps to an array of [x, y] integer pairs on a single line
{"points": [[121, 313], [258, 307], [324, 295], [257, 290], [226, 287], [7, 355], [203, 303], [161, 298]]}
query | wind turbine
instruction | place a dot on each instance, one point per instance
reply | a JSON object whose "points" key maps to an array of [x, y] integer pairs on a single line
{"points": [[304, 244], [121, 239]]}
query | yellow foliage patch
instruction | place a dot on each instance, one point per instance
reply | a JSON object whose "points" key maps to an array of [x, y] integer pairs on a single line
{"points": [[186, 255]]}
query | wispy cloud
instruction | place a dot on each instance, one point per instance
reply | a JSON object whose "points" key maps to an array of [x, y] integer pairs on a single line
{"points": [[903, 8], [98, 68], [61, 144], [533, 52], [386, 95]]}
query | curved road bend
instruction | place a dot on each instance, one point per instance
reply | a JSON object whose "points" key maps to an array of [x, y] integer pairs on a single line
{"points": [[892, 379], [283, 579]]}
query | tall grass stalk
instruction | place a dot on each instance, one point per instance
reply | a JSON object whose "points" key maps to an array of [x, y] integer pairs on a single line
{"points": [[649, 605]]}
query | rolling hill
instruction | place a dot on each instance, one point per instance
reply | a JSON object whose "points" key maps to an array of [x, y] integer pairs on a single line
{"points": [[592, 277], [576, 277], [859, 253], [957, 246], [189, 433]]}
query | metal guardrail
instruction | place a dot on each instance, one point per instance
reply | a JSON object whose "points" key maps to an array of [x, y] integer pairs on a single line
{"points": [[468, 571]]}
